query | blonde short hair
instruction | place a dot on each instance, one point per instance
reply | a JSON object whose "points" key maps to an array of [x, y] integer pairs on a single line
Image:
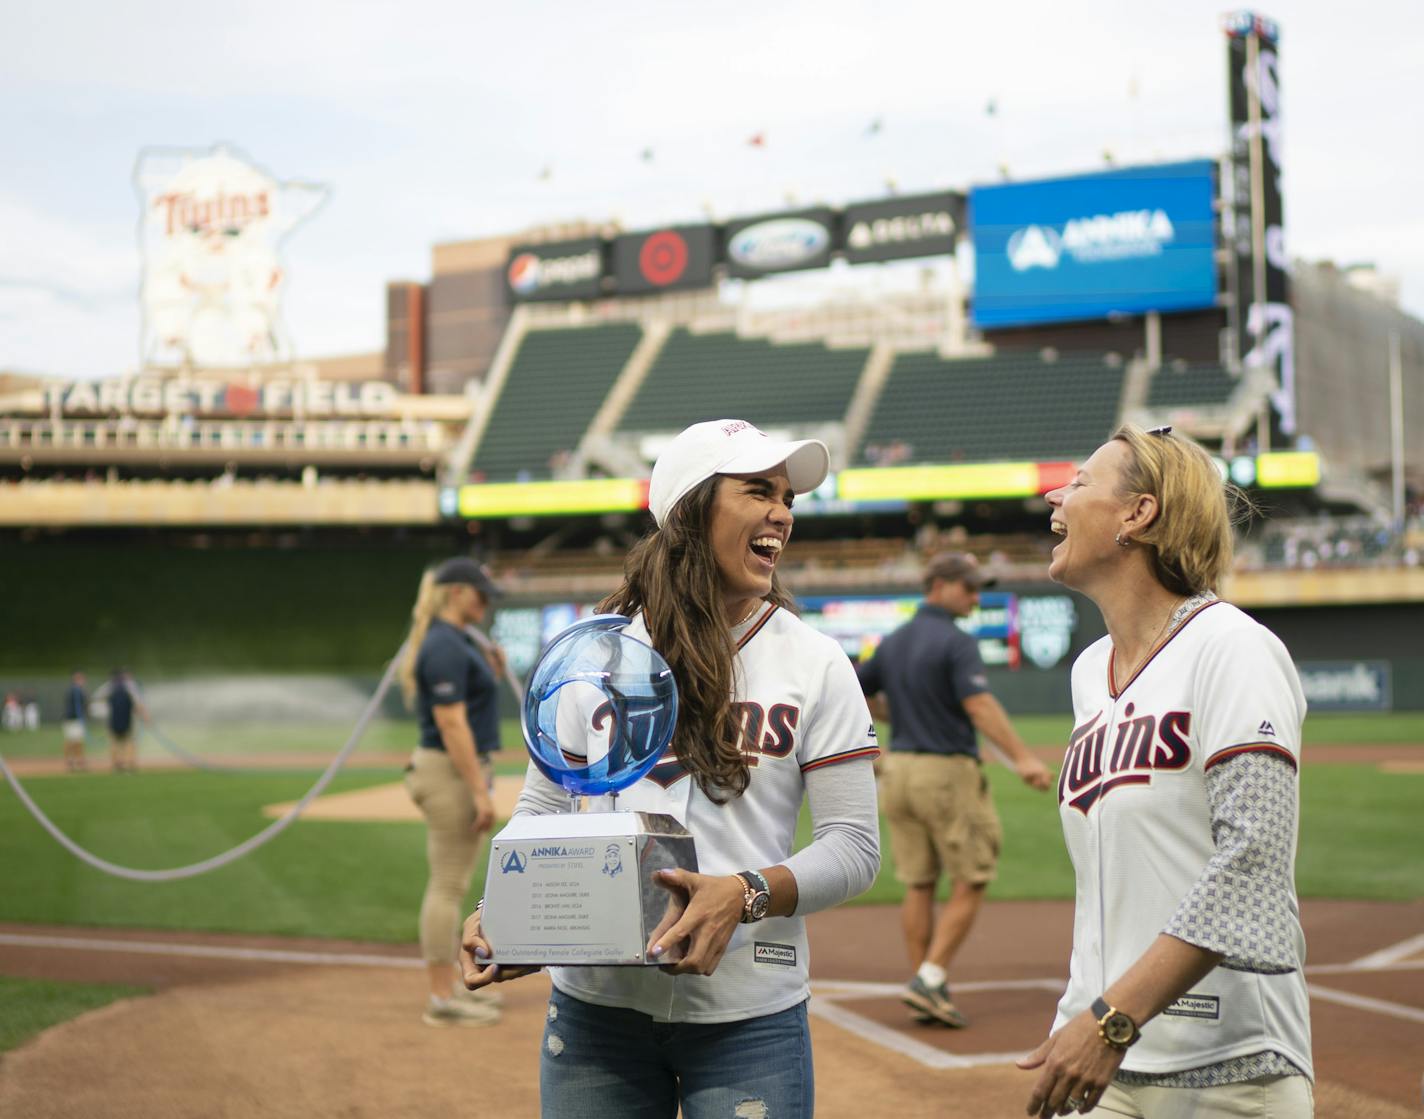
{"points": [[1190, 538]]}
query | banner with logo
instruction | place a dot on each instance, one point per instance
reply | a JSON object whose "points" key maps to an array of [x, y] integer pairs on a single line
{"points": [[1346, 685], [771, 243], [558, 270], [1261, 314], [1128, 241], [211, 229], [920, 225], [664, 259]]}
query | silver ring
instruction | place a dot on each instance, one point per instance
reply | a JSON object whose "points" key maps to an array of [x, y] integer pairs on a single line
{"points": [[1076, 1105]]}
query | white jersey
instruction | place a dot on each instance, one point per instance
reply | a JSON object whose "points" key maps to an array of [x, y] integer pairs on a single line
{"points": [[1132, 798], [801, 708]]}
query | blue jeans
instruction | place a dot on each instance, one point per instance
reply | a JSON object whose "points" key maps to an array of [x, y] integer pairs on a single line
{"points": [[603, 1061]]}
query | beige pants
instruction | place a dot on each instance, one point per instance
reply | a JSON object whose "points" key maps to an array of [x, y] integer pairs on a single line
{"points": [[451, 850], [1272, 1097]]}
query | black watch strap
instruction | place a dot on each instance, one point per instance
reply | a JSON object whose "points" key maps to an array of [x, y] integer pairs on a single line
{"points": [[756, 895], [1116, 1028]]}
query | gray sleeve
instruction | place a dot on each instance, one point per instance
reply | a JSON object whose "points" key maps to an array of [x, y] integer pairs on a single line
{"points": [[843, 856], [1243, 905], [540, 796]]}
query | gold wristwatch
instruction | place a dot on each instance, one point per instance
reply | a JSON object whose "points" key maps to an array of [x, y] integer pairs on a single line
{"points": [[1114, 1027]]}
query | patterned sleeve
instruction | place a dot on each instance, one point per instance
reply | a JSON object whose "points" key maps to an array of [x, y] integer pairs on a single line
{"points": [[1243, 905]]}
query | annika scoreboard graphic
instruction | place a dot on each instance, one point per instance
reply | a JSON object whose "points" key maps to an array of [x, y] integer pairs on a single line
{"points": [[212, 227], [1087, 246]]}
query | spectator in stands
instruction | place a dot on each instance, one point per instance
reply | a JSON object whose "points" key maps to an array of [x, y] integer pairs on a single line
{"points": [[1179, 802], [769, 714], [124, 703], [75, 714], [452, 679], [928, 678]]}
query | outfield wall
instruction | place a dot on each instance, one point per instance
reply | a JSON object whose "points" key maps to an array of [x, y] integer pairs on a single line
{"points": [[168, 612]]}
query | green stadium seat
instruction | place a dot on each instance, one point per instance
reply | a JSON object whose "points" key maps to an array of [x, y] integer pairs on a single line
{"points": [[556, 384]]}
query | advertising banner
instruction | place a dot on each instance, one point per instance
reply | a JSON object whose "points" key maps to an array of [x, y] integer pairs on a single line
{"points": [[920, 225], [1128, 241], [1346, 685], [1261, 315], [664, 259], [558, 270], [211, 230], [771, 243]]}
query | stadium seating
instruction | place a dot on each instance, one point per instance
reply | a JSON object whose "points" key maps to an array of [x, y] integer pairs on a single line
{"points": [[1002, 408], [555, 385], [1181, 385], [709, 376]]}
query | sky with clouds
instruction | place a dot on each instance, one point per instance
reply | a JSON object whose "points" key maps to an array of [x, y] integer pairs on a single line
{"points": [[433, 121]]}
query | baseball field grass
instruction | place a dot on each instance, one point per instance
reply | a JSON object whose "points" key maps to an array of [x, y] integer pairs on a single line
{"points": [[32, 1005], [1359, 839]]}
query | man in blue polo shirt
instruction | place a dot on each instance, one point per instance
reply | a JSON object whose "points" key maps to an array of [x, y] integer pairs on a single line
{"points": [[934, 792]]}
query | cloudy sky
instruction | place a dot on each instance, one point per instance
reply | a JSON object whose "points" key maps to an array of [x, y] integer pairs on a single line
{"points": [[433, 121]]}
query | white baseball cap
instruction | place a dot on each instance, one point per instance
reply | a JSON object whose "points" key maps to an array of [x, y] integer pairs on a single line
{"points": [[730, 447]]}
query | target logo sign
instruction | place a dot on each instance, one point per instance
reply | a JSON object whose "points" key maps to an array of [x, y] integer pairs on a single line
{"points": [[675, 257], [663, 258]]}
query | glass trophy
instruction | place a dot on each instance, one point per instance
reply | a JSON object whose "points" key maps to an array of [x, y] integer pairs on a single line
{"points": [[578, 888]]}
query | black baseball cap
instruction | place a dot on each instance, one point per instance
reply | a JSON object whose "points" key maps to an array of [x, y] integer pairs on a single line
{"points": [[957, 567], [462, 569]]}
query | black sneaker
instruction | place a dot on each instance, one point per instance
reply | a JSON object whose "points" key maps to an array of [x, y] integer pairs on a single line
{"points": [[933, 1002]]}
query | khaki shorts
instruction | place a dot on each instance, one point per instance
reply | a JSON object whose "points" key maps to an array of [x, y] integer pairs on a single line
{"points": [[942, 819]]}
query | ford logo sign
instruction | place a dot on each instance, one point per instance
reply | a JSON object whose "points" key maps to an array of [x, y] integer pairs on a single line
{"points": [[778, 243]]}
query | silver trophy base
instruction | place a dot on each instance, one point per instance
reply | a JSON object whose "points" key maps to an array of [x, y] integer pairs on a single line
{"points": [[578, 889]]}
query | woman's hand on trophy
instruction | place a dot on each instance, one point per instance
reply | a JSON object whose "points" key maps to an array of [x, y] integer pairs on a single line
{"points": [[476, 967], [703, 912]]}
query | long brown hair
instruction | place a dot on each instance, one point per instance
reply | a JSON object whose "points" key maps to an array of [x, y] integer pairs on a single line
{"points": [[671, 576]]}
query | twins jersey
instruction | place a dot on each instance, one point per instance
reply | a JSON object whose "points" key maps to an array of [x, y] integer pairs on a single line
{"points": [[800, 708], [1137, 822]]}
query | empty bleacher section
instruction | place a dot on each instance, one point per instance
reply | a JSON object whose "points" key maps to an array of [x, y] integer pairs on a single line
{"points": [[708, 376], [1002, 408], [556, 383], [1190, 386]]}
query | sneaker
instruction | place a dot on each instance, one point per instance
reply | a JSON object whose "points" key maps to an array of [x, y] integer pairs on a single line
{"points": [[456, 1011], [933, 1001]]}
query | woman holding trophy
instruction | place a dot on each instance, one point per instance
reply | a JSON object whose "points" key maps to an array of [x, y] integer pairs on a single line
{"points": [[769, 713]]}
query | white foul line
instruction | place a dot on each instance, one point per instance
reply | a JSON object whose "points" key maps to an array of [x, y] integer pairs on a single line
{"points": [[1361, 1002], [159, 948], [900, 1042], [1393, 954]]}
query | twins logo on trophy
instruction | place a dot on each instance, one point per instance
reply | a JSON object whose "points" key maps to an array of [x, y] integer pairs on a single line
{"points": [[578, 887]]}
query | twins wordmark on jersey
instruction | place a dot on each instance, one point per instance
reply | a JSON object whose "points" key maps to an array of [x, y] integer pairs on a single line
{"points": [[1102, 757], [768, 731]]}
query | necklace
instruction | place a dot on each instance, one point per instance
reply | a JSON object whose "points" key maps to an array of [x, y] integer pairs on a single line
{"points": [[756, 605], [1151, 645]]}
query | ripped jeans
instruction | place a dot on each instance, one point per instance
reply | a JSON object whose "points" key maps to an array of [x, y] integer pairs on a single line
{"points": [[599, 1061]]}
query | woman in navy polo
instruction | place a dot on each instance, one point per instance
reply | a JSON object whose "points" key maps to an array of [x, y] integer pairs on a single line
{"points": [[453, 686]]}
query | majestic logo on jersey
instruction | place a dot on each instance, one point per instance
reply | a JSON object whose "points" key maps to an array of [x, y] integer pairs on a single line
{"points": [[1266, 728], [766, 732], [1140, 747]]}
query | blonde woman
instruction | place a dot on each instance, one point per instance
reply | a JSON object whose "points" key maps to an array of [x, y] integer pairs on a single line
{"points": [[453, 687], [1179, 799]]}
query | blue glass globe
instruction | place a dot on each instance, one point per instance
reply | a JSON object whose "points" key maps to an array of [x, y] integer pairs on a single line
{"points": [[607, 697]]}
